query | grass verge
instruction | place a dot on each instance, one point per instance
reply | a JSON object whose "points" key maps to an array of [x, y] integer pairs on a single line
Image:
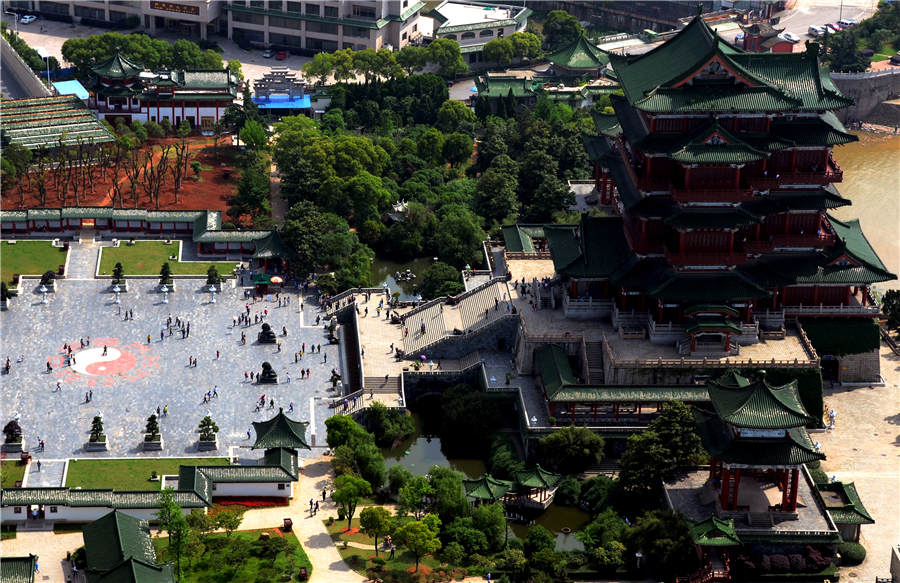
{"points": [[29, 258], [129, 474], [243, 556], [147, 257], [10, 473]]}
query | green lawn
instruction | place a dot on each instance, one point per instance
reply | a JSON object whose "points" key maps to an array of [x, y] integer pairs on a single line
{"points": [[242, 557], [8, 531], [129, 474], [360, 561], [147, 257], [336, 531], [10, 473], [29, 258]]}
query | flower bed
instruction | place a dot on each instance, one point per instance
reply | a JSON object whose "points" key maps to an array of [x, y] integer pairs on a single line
{"points": [[252, 501]]}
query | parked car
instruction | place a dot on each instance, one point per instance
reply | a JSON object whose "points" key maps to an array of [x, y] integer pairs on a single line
{"points": [[815, 31], [28, 19], [281, 55], [268, 54], [833, 26], [895, 60], [846, 22], [790, 37]]}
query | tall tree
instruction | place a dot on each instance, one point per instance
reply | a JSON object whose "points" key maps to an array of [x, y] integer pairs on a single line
{"points": [[348, 491], [525, 45], [412, 58], [560, 29], [320, 67], [500, 51], [411, 497], [571, 449], [445, 54], [375, 521], [168, 510], [419, 539]]}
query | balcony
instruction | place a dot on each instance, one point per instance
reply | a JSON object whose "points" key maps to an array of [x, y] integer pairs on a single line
{"points": [[853, 309], [758, 247], [776, 178], [695, 258], [586, 308], [704, 194], [802, 241]]}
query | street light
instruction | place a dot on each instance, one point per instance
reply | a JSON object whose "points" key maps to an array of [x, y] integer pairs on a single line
{"points": [[15, 20], [165, 292], [44, 54]]}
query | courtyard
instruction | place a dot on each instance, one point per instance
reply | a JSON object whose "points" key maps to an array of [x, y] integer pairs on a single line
{"points": [[136, 376]]}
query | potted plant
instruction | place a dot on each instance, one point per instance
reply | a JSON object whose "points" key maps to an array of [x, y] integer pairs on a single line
{"points": [[13, 441], [4, 296], [154, 477], [118, 277], [48, 280], [152, 438], [213, 278], [97, 440], [208, 431], [165, 277]]}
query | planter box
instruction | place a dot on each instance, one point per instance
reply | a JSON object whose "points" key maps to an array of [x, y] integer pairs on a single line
{"points": [[50, 285], [123, 287], [4, 306], [152, 445], [97, 445], [204, 445], [171, 287], [14, 447], [218, 287]]}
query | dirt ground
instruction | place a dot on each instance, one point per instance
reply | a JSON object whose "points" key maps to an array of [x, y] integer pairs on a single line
{"points": [[217, 184]]}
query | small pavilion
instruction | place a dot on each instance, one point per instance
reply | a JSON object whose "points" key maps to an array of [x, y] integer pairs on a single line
{"points": [[756, 430], [530, 489], [579, 58], [280, 432], [487, 490], [846, 509], [118, 547]]}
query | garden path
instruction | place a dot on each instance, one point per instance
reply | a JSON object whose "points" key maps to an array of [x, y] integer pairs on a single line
{"points": [[49, 476], [82, 260], [51, 550]]}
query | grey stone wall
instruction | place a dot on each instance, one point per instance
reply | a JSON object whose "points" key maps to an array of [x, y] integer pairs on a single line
{"points": [[860, 368], [868, 90], [488, 337]]}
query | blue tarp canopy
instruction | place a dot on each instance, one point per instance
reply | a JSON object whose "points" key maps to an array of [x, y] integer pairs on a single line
{"points": [[282, 102], [72, 88]]}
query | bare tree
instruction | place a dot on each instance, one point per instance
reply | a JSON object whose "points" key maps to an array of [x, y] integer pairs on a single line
{"points": [[179, 167], [155, 174], [40, 175], [133, 166]]}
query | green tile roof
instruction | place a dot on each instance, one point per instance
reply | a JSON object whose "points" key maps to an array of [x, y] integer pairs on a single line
{"points": [[44, 121], [28, 496], [109, 498], [272, 245], [792, 448], [714, 532], [581, 54], [116, 537], [701, 324], [629, 394], [537, 477], [716, 145], [768, 81], [225, 474], [280, 431], [596, 248], [519, 238], [826, 130], [117, 67], [756, 404], [822, 198], [17, 569], [486, 488], [136, 571], [720, 287], [843, 503], [553, 366], [856, 244]]}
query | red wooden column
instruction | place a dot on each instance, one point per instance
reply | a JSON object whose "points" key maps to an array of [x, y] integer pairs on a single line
{"points": [[795, 475], [595, 412], [726, 477], [712, 468], [734, 493], [616, 407], [572, 411], [783, 479]]}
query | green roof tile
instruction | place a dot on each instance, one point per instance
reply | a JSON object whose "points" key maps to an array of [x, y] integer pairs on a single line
{"points": [[553, 366], [596, 248], [17, 569], [843, 503], [629, 394], [45, 121], [280, 431], [136, 571], [756, 404], [116, 537], [581, 54], [117, 67], [537, 477], [722, 287], [486, 488], [714, 532]]}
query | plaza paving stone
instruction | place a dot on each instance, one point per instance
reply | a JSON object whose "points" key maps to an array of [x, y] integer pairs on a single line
{"points": [[145, 376]]}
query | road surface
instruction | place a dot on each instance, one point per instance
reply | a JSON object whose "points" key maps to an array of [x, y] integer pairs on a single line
{"points": [[9, 87]]}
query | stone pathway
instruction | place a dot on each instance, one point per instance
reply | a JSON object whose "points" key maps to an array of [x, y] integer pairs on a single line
{"points": [[82, 261], [49, 476], [51, 550]]}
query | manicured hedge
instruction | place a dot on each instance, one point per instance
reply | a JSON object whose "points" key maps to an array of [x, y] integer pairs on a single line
{"points": [[840, 336], [852, 553]]}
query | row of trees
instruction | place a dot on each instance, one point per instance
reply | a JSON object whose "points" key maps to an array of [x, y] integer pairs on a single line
{"points": [[878, 34]]}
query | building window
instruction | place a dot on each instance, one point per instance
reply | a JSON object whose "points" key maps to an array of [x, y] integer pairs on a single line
{"points": [[281, 486], [450, 37], [53, 509], [17, 510], [318, 44], [332, 12], [248, 18], [363, 12], [214, 487], [323, 27], [467, 35], [91, 13], [486, 33], [415, 27], [281, 22], [405, 5], [294, 7], [356, 31], [285, 40], [245, 35], [207, 122], [257, 3], [312, 9], [403, 36], [54, 8]]}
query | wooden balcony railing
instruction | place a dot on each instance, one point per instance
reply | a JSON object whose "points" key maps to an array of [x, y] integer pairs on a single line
{"points": [[692, 258], [703, 194], [813, 240]]}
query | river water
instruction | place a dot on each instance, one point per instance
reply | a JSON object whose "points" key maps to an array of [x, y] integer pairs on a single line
{"points": [[872, 181], [384, 271]]}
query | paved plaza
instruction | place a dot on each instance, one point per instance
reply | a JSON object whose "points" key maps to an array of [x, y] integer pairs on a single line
{"points": [[135, 377]]}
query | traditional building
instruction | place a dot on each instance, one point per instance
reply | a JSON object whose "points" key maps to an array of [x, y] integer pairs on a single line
{"points": [[579, 58], [530, 491], [118, 547], [121, 89], [717, 172], [762, 37], [757, 500], [474, 24]]}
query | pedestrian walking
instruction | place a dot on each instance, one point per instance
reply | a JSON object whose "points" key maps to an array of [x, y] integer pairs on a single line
{"points": [[287, 376], [148, 339], [248, 434], [315, 509], [39, 465], [104, 350], [58, 386], [91, 395], [307, 373], [166, 411], [217, 355], [323, 494], [291, 407]]}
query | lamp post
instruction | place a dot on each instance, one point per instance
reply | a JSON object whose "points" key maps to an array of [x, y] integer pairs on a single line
{"points": [[212, 294], [15, 20], [43, 290], [165, 292], [116, 291]]}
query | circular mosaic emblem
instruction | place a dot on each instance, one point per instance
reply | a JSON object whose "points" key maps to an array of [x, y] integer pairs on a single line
{"points": [[92, 367], [93, 362]]}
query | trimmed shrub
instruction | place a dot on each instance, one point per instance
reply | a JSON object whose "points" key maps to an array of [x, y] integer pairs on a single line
{"points": [[779, 564], [798, 563], [851, 554]]}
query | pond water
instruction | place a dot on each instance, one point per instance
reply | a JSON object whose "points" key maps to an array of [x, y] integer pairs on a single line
{"points": [[555, 519], [419, 453], [384, 270]]}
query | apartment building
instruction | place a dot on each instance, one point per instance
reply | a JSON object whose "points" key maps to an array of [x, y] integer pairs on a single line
{"points": [[325, 25], [474, 24], [193, 19]]}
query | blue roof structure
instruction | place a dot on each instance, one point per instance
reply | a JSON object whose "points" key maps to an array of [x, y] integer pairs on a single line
{"points": [[283, 102], [71, 88]]}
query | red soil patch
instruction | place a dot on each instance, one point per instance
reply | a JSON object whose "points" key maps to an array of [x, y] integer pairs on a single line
{"points": [[215, 188], [350, 531], [423, 571]]}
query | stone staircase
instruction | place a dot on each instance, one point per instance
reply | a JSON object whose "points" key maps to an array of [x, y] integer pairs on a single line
{"points": [[594, 353], [390, 384], [434, 328], [483, 306]]}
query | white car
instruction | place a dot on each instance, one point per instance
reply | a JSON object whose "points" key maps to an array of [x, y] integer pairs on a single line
{"points": [[28, 19], [790, 37], [268, 53], [847, 22], [815, 31]]}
